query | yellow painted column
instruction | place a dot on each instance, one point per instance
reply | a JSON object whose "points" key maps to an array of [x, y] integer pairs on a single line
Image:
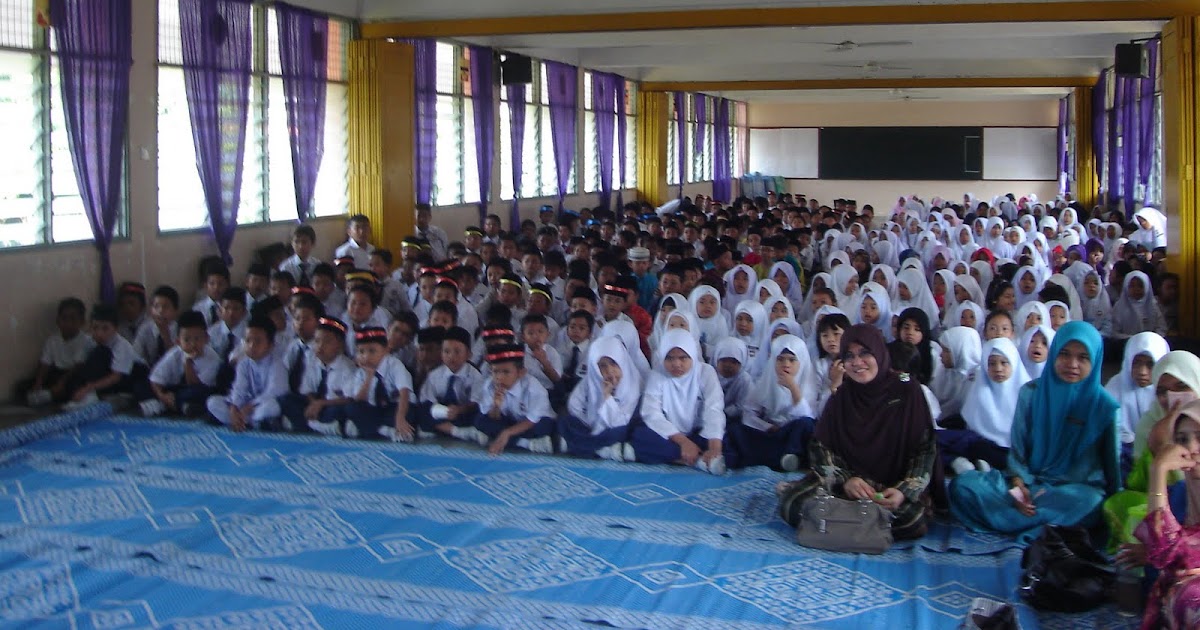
{"points": [[1181, 101], [653, 113], [382, 108], [1087, 186]]}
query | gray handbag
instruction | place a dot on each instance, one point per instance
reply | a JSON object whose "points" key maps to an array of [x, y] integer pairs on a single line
{"points": [[827, 522]]}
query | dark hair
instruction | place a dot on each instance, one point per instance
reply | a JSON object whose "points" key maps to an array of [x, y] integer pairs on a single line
{"points": [[266, 306], [169, 293], [995, 290], [259, 269], [384, 255], [585, 316], [905, 356], [365, 289], [833, 321], [1052, 292], [498, 314], [309, 302], [305, 231], [192, 319], [433, 334], [993, 314], [445, 307], [533, 319], [213, 265], [104, 313], [357, 218], [585, 293], [234, 294], [408, 318], [826, 291], [264, 324], [459, 334], [72, 304], [284, 276], [924, 371], [324, 269]]}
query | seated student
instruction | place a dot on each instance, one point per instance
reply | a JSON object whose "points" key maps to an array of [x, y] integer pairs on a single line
{"points": [[157, 334], [777, 418], [258, 283], [326, 290], [446, 290], [301, 264], [828, 368], [731, 358], [272, 309], [1095, 304], [498, 318], [216, 281], [131, 308], [297, 349], [1133, 387], [961, 355], [1169, 546], [999, 324], [514, 408], [713, 321], [358, 243], [542, 361], [445, 403], [63, 352], [362, 312], [185, 376], [574, 340], [540, 302], [442, 315], [402, 336], [640, 319], [324, 381], [259, 380], [906, 358], [111, 367], [1064, 456], [429, 354], [683, 409], [988, 412], [225, 336], [602, 405], [379, 392], [749, 319], [874, 441], [1136, 310]]}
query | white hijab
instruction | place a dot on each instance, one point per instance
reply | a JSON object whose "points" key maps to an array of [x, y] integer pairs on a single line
{"points": [[990, 406], [1030, 308], [1135, 400], [714, 328], [920, 296], [776, 400], [660, 319], [1035, 369], [879, 295], [757, 313], [732, 298], [1130, 314], [627, 393], [680, 394], [794, 293], [1097, 308], [628, 335]]}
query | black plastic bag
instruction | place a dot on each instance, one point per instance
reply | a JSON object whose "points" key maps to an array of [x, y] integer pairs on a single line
{"points": [[1064, 573]]}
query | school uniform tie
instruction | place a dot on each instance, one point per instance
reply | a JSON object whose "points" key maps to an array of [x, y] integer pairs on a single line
{"points": [[303, 279], [213, 316], [323, 386], [296, 373], [381, 392], [230, 340], [573, 364], [160, 346], [451, 397]]}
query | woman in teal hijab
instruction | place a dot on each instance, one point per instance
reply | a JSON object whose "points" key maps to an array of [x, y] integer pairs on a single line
{"points": [[1065, 448]]}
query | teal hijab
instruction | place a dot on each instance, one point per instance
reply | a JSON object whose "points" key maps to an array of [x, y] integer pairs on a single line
{"points": [[1069, 418]]}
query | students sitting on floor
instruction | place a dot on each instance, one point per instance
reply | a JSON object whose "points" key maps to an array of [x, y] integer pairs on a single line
{"points": [[63, 353], [731, 358], [157, 334], [602, 405], [380, 393], [301, 264], [259, 380], [542, 361], [325, 381], [446, 404], [186, 375], [777, 419], [131, 309], [514, 409], [216, 281], [112, 366], [230, 328]]}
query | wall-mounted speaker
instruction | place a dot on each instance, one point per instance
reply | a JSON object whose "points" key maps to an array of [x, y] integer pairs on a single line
{"points": [[1132, 61], [515, 70]]}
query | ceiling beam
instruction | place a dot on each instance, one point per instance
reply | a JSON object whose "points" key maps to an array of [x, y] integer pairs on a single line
{"points": [[860, 84], [951, 13]]}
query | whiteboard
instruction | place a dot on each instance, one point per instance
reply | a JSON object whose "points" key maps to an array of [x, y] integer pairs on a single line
{"points": [[791, 153], [1019, 153]]}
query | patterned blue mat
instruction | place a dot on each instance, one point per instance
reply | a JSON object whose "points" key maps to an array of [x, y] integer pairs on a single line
{"points": [[116, 522]]}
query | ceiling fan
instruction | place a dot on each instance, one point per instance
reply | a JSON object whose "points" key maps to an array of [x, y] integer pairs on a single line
{"points": [[867, 67], [847, 46]]}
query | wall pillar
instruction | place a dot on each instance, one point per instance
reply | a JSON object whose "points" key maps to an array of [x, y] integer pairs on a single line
{"points": [[653, 113], [1086, 187], [382, 99], [1181, 138]]}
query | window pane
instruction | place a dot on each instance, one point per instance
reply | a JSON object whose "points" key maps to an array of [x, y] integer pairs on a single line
{"points": [[446, 179], [447, 68], [68, 222], [180, 197], [21, 178], [332, 196], [251, 205], [506, 186], [467, 153], [591, 153], [630, 152], [587, 90], [281, 187], [549, 173], [530, 174], [17, 24]]}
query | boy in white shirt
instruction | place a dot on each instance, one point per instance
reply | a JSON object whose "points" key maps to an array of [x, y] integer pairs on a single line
{"points": [[302, 263], [513, 407], [157, 334], [446, 406], [358, 244], [186, 375], [326, 378], [258, 382], [111, 366], [216, 281], [542, 361], [63, 352], [131, 308], [379, 390]]}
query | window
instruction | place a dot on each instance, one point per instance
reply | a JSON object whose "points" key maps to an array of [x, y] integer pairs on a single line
{"points": [[1152, 193], [39, 197], [702, 154], [268, 192], [456, 171], [741, 139], [591, 151], [539, 177], [673, 141]]}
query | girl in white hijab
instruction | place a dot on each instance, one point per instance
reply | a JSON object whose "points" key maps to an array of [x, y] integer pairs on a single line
{"points": [[628, 334], [1096, 305], [1137, 310], [1027, 283], [961, 348], [741, 283], [944, 281], [683, 410], [1152, 230], [885, 276], [819, 281], [1035, 348], [768, 289], [988, 411], [1023, 321], [875, 309], [844, 281], [777, 419], [667, 305], [774, 329], [962, 242], [749, 320], [733, 370], [713, 320], [784, 274], [994, 238], [913, 292], [602, 404], [779, 307], [837, 259], [1133, 387], [885, 252], [968, 314], [1029, 224], [982, 272], [1059, 312], [1073, 302]]}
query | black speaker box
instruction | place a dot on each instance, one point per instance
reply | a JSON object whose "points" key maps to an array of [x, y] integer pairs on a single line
{"points": [[1132, 61], [516, 70]]}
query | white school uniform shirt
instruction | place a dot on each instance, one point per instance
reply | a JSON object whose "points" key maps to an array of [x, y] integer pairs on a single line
{"points": [[407, 356], [65, 354], [291, 350], [170, 369], [335, 304], [361, 255], [438, 241], [527, 400], [565, 347], [219, 337], [292, 266], [129, 330], [467, 381], [391, 372], [209, 308], [124, 356], [146, 341], [534, 368], [710, 407], [258, 381], [337, 374], [395, 297], [378, 319]]}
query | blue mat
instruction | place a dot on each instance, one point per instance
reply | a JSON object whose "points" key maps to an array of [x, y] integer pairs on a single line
{"points": [[115, 522]]}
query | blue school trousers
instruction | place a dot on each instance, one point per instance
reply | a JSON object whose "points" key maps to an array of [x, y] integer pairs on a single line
{"points": [[366, 418], [419, 416], [747, 446], [954, 443], [580, 440], [484, 423], [652, 448], [292, 406]]}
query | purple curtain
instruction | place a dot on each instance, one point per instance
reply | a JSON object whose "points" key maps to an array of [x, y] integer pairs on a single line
{"points": [[95, 58], [516, 133], [217, 52], [605, 91], [1099, 125], [483, 106], [1129, 139], [701, 119], [425, 123], [303, 42], [681, 138], [722, 169], [1147, 118], [1113, 183], [622, 130], [563, 83], [1062, 145]]}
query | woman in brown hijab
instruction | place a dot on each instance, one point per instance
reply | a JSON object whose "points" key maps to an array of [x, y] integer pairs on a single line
{"points": [[874, 441]]}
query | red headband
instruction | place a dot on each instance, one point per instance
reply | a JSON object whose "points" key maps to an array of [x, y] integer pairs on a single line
{"points": [[333, 323], [500, 356], [497, 332], [371, 335], [308, 290], [615, 289]]}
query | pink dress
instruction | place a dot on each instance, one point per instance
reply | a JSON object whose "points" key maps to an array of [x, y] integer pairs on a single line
{"points": [[1175, 550]]}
